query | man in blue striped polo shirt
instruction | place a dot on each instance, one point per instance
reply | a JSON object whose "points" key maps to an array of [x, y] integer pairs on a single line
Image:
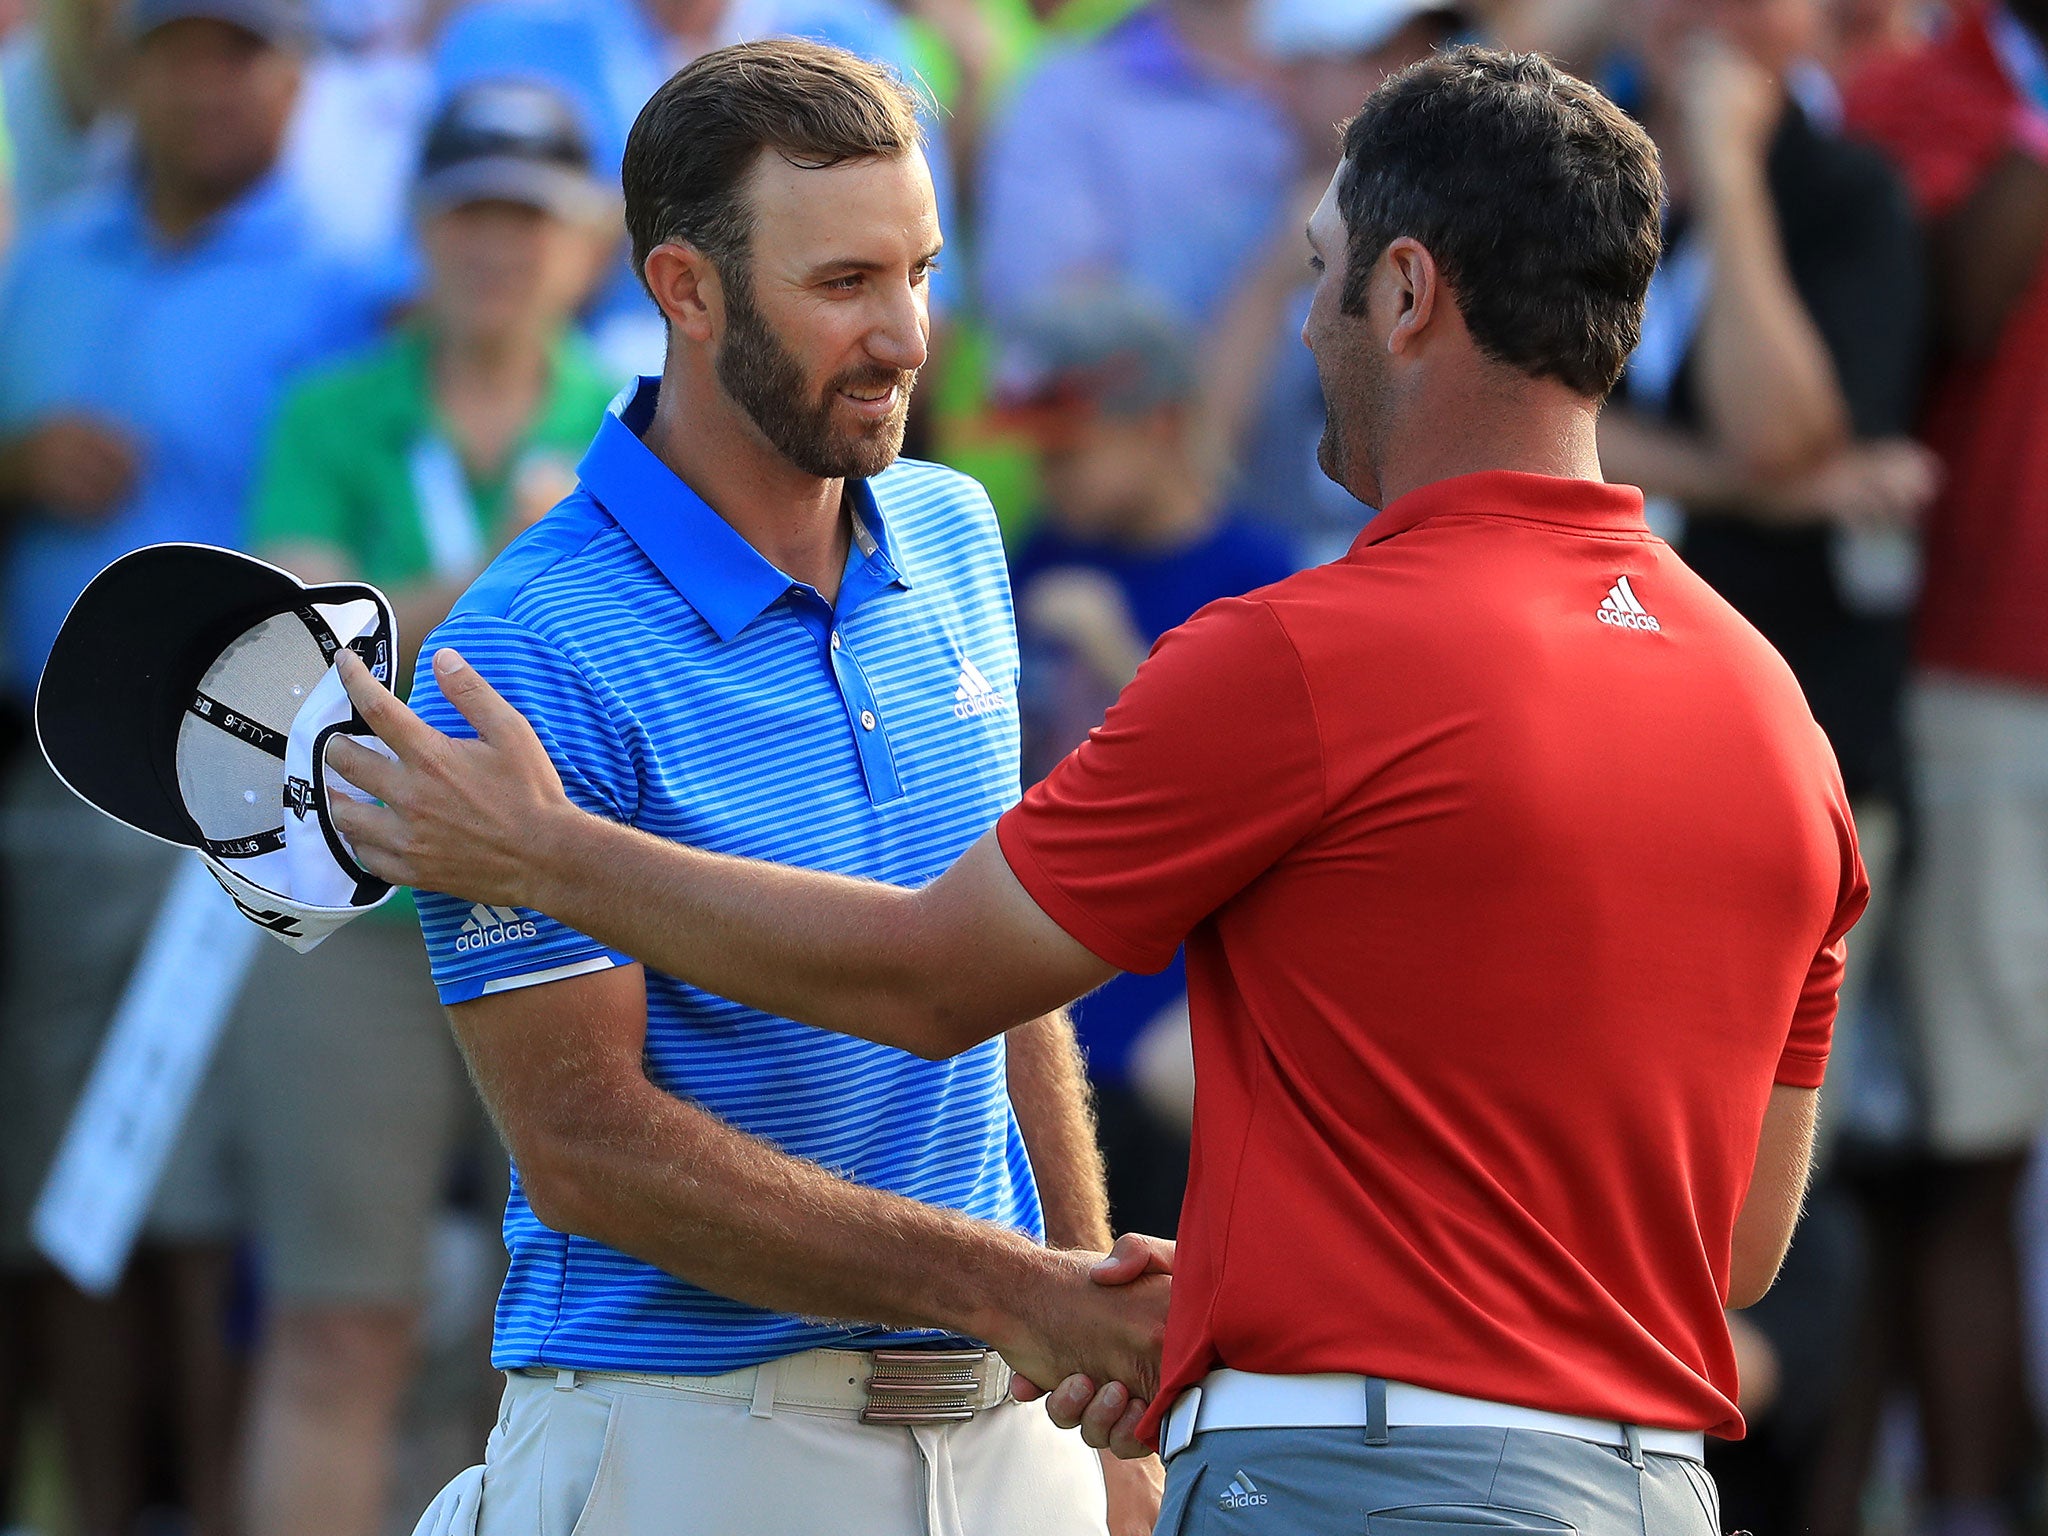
{"points": [[753, 1264]]}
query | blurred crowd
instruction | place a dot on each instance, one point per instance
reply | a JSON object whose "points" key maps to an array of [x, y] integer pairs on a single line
{"points": [[343, 284]]}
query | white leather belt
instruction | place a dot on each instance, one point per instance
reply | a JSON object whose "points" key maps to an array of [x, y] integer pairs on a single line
{"points": [[884, 1386], [1245, 1400]]}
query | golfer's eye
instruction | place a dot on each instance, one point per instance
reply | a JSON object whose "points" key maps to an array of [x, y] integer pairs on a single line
{"points": [[1315, 264], [847, 284], [923, 271]]}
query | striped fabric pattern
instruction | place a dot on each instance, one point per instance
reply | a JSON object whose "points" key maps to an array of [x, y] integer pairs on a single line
{"points": [[603, 626]]}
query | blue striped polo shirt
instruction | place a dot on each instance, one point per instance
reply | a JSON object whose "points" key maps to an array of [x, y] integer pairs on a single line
{"points": [[684, 685]]}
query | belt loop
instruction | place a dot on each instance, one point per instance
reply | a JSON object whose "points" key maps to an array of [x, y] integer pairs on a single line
{"points": [[565, 1381], [1376, 1411], [1632, 1437], [1178, 1432], [764, 1390]]}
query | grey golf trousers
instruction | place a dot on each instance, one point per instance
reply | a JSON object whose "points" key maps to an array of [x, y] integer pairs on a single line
{"points": [[1430, 1481]]}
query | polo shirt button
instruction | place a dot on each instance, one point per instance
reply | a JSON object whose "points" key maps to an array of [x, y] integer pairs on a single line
{"points": [[867, 719], [835, 639]]}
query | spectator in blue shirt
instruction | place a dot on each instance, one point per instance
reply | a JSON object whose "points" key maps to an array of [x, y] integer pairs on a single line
{"points": [[145, 330], [1133, 539]]}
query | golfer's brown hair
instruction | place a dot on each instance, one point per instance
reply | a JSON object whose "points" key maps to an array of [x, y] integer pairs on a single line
{"points": [[691, 148]]}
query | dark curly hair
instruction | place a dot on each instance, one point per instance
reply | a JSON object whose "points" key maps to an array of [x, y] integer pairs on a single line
{"points": [[1539, 198]]}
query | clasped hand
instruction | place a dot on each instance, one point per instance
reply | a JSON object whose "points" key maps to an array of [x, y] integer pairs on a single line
{"points": [[1100, 1352]]}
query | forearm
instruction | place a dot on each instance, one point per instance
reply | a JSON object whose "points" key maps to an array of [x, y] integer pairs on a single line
{"points": [[677, 1187], [878, 962], [1049, 1092], [1777, 1194], [1768, 387], [1663, 460]]}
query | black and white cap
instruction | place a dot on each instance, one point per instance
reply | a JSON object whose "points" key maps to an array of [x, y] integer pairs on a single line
{"points": [[191, 693], [513, 141]]}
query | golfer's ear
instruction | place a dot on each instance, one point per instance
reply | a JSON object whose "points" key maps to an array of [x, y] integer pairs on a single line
{"points": [[685, 287], [1417, 287]]}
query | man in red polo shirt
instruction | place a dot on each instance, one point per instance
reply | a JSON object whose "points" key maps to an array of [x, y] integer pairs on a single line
{"points": [[1512, 868], [1966, 120]]}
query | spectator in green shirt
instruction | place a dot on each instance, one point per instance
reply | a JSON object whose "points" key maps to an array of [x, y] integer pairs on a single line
{"points": [[413, 464], [408, 466]]}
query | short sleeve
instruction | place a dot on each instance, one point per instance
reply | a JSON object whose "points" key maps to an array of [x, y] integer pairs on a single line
{"points": [[300, 496], [1206, 771], [1804, 1061], [478, 950]]}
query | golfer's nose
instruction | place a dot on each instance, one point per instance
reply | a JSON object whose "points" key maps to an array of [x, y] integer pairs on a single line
{"points": [[899, 338]]}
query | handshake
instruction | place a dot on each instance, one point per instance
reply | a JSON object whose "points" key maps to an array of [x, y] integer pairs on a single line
{"points": [[1088, 1341]]}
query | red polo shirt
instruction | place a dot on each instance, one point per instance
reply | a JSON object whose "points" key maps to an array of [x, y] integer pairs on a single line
{"points": [[1946, 115], [1513, 871]]}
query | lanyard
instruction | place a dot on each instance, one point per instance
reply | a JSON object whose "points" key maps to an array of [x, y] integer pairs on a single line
{"points": [[2020, 53], [448, 515]]}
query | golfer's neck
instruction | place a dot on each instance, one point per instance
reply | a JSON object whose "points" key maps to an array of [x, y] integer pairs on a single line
{"points": [[1536, 427], [796, 521]]}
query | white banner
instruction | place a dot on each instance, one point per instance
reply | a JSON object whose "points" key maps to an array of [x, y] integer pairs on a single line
{"points": [[142, 1086]]}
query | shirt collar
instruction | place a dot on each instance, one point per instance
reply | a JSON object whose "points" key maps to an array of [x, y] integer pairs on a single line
{"points": [[713, 569], [1589, 505]]}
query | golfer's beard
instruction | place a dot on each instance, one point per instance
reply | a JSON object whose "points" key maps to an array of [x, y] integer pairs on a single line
{"points": [[1354, 428], [765, 379]]}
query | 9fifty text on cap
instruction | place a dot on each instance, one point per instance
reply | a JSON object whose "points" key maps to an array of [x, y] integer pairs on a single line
{"points": [[191, 693]]}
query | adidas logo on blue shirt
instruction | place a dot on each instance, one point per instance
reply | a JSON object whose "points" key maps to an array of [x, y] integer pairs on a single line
{"points": [[486, 926], [976, 695]]}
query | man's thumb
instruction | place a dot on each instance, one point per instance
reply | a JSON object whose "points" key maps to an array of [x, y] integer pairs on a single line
{"points": [[1133, 1255]]}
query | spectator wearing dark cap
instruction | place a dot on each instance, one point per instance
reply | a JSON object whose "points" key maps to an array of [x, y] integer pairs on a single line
{"points": [[1131, 541], [145, 330], [408, 465]]}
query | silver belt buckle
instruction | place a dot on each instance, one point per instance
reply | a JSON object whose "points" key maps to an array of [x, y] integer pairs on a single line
{"points": [[922, 1386]]}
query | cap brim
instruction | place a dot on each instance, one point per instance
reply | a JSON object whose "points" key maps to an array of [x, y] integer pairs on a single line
{"points": [[275, 25], [124, 668], [300, 924], [554, 189], [1313, 36]]}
